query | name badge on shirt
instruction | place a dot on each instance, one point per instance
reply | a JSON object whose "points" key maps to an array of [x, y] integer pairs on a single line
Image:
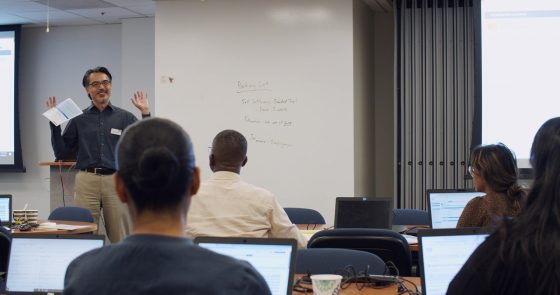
{"points": [[116, 131]]}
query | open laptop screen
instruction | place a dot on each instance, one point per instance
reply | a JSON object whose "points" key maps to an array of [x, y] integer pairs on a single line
{"points": [[38, 263], [274, 259], [361, 212], [445, 206], [442, 254], [6, 209]]}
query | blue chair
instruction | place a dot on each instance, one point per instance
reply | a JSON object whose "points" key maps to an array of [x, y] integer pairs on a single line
{"points": [[387, 244], [71, 214], [326, 260], [410, 217], [304, 216]]}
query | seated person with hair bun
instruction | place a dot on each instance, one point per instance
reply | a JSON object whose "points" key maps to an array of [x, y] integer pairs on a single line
{"points": [[494, 171], [156, 177]]}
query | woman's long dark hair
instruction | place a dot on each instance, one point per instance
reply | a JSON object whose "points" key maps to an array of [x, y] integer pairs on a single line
{"points": [[533, 239], [497, 165]]}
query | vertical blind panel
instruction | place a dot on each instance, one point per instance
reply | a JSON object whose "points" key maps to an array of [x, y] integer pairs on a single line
{"points": [[435, 80]]}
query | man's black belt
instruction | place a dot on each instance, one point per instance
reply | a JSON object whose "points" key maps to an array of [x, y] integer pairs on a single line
{"points": [[99, 171]]}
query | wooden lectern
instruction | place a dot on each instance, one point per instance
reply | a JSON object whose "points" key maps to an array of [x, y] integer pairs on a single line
{"points": [[62, 176]]}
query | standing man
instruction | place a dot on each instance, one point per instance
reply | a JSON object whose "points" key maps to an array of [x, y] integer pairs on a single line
{"points": [[93, 135], [226, 206]]}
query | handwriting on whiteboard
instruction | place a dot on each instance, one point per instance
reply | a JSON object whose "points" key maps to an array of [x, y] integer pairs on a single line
{"points": [[269, 115]]}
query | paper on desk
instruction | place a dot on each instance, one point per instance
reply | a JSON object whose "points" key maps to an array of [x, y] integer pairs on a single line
{"points": [[411, 239], [63, 112], [70, 227]]}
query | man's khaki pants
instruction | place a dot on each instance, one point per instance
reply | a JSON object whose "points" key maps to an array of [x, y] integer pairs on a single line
{"points": [[94, 191]]}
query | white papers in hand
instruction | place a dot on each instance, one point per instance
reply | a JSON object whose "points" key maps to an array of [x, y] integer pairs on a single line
{"points": [[63, 112]]}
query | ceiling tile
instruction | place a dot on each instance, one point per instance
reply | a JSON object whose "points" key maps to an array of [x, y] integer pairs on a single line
{"points": [[100, 13], [9, 6], [126, 3], [54, 16], [76, 4], [6, 19], [146, 9]]}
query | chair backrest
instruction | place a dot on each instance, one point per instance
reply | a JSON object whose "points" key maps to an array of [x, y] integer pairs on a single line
{"points": [[5, 243], [304, 216], [335, 260], [387, 244], [410, 217], [71, 214]]}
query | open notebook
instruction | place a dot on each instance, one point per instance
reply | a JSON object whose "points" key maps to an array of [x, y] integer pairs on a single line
{"points": [[274, 259], [442, 253], [6, 209], [37, 263], [445, 206]]}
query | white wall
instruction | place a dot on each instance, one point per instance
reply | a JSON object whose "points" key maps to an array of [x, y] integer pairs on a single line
{"points": [[138, 61], [54, 64], [296, 50], [374, 111]]}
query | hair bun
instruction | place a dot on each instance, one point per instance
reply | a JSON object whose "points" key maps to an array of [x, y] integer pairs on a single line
{"points": [[156, 167]]}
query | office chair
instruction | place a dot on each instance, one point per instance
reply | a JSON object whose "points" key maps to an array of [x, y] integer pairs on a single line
{"points": [[71, 214], [336, 260], [304, 216], [5, 244], [410, 217], [387, 244]]}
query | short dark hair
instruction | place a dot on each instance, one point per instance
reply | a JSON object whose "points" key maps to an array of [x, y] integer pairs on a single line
{"points": [[155, 160], [230, 146], [85, 79]]}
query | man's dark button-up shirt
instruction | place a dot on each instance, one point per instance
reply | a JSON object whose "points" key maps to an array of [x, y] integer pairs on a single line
{"points": [[94, 135]]}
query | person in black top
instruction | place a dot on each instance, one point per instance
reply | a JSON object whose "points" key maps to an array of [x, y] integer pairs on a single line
{"points": [[156, 177], [522, 256], [93, 135]]}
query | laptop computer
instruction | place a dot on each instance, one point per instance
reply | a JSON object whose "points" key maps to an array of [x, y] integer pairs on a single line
{"points": [[6, 210], [274, 259], [362, 212], [37, 263], [445, 206], [442, 253]]}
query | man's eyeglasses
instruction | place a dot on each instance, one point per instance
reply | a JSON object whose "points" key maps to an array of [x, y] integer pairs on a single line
{"points": [[96, 84]]}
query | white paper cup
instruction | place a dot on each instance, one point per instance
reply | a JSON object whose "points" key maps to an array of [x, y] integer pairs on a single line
{"points": [[326, 284]]}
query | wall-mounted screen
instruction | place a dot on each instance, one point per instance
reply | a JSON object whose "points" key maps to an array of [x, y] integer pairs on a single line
{"points": [[518, 62], [10, 147]]}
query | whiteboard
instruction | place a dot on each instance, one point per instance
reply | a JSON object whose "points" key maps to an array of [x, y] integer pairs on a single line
{"points": [[281, 73]]}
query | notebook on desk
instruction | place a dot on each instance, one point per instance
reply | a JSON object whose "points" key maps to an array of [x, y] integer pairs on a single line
{"points": [[274, 259], [37, 263], [6, 210], [362, 212], [445, 206], [442, 253]]}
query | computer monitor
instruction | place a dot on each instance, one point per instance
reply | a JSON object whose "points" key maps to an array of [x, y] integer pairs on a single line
{"points": [[442, 253], [274, 259], [362, 212], [6, 209], [37, 263], [445, 206]]}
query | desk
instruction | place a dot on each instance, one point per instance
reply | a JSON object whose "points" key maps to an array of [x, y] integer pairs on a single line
{"points": [[353, 289], [85, 227]]}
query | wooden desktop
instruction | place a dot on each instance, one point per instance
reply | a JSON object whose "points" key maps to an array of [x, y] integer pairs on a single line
{"points": [[75, 227], [354, 290]]}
